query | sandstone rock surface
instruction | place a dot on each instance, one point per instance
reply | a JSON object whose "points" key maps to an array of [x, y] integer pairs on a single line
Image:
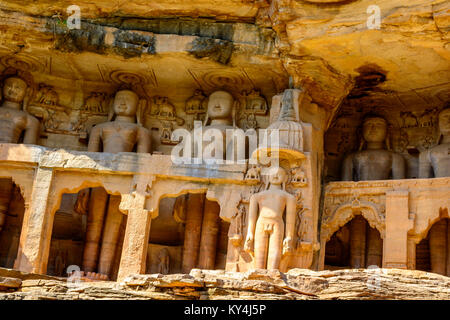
{"points": [[297, 284]]}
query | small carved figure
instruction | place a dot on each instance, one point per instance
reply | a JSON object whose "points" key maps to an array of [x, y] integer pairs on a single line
{"points": [[165, 108], [266, 228], [196, 103], [409, 119], [255, 103], [254, 173], [298, 177], [236, 232], [163, 261], [60, 262], [427, 118], [46, 95], [95, 103]]}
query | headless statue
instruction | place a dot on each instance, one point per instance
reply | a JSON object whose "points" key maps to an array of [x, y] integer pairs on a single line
{"points": [[121, 135], [374, 163], [436, 162], [266, 228], [14, 122]]}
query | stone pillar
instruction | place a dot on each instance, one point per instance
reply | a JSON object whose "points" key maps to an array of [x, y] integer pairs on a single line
{"points": [[210, 230], [192, 232], [135, 242], [411, 254], [6, 189], [374, 248], [37, 226], [96, 214], [448, 247], [438, 247], [358, 242], [398, 223], [110, 236]]}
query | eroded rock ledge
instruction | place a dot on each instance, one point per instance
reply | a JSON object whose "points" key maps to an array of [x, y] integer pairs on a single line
{"points": [[297, 284]]}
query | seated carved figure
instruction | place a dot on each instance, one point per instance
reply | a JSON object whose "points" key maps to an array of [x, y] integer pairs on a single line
{"points": [[436, 161], [122, 134], [266, 228], [220, 112], [13, 120], [13, 123], [374, 163]]}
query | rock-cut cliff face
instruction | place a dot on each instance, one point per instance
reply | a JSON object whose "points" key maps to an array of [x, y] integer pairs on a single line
{"points": [[297, 284]]}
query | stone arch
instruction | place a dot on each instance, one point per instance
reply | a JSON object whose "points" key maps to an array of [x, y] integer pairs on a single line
{"points": [[422, 230], [347, 212], [68, 184]]}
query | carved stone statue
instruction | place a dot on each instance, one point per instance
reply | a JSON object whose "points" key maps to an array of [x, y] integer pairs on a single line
{"points": [[266, 228], [13, 120], [13, 123], [374, 163], [436, 161], [220, 113], [122, 134], [164, 260]]}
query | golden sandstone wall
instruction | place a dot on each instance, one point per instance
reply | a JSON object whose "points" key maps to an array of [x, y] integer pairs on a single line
{"points": [[88, 180]]}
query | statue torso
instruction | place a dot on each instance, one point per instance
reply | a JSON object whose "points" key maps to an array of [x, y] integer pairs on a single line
{"points": [[271, 204], [119, 136], [12, 124], [373, 164], [227, 149], [440, 160]]}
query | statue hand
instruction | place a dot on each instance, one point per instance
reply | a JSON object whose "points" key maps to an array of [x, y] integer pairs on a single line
{"points": [[249, 242], [287, 245]]}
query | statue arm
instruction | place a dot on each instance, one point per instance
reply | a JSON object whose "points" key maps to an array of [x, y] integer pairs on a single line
{"points": [[290, 217], [95, 140], [252, 216], [347, 168], [398, 167], [143, 141], [425, 169], [32, 131]]}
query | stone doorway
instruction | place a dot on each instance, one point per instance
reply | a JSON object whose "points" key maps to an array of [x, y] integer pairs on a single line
{"points": [[355, 245], [433, 252], [12, 208], [88, 233], [190, 233]]}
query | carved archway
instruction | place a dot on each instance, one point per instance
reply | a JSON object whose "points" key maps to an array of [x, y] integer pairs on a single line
{"points": [[347, 212]]}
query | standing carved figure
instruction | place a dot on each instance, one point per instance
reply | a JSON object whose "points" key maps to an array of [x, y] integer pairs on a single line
{"points": [[266, 228], [164, 261]]}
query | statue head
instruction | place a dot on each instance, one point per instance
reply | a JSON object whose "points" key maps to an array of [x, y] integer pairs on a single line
{"points": [[125, 103], [277, 176], [444, 122], [220, 105], [374, 129], [14, 89]]}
